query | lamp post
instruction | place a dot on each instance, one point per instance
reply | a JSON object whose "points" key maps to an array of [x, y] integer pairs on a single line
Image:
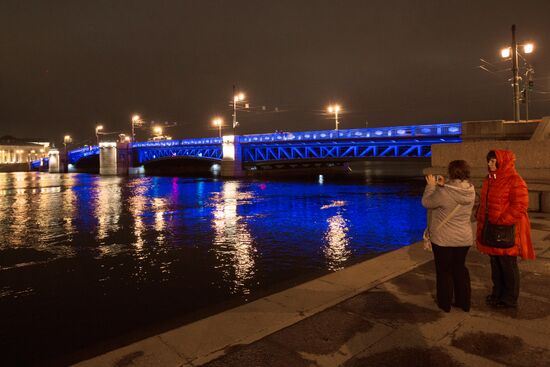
{"points": [[236, 98], [513, 51], [98, 128], [218, 122], [66, 141], [334, 109], [135, 120], [157, 131]]}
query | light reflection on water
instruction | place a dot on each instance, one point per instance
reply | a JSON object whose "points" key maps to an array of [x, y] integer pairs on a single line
{"points": [[90, 245], [336, 247], [233, 243]]}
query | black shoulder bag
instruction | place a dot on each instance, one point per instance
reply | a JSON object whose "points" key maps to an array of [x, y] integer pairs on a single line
{"points": [[495, 235]]}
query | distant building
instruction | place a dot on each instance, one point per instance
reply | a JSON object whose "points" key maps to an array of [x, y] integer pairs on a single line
{"points": [[14, 150]]}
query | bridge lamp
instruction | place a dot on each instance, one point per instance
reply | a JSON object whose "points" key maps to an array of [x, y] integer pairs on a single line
{"points": [[135, 120], [236, 99], [334, 109], [218, 122], [98, 128], [157, 130], [67, 140]]}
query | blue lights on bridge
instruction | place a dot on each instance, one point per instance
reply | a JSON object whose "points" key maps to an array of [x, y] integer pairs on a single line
{"points": [[325, 145], [451, 129], [156, 152], [176, 143], [77, 154], [39, 164], [340, 151]]}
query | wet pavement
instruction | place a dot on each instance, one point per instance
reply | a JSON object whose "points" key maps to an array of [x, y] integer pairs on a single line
{"points": [[397, 323]]}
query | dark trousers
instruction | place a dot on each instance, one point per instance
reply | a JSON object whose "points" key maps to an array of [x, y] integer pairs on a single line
{"points": [[452, 276], [505, 275]]}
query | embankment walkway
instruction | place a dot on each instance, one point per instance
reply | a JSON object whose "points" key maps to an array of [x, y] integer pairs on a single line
{"points": [[380, 312]]}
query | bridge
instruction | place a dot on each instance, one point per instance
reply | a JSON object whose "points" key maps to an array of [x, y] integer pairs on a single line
{"points": [[240, 153]]}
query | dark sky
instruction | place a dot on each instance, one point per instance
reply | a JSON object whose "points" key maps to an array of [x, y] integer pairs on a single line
{"points": [[67, 64]]}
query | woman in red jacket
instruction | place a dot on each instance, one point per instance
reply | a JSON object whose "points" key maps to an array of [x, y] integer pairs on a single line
{"points": [[505, 198]]}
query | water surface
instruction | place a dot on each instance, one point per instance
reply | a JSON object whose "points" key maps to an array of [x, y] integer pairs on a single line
{"points": [[84, 258]]}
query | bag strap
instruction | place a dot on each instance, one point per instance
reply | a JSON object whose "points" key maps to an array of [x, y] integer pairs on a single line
{"points": [[449, 216]]}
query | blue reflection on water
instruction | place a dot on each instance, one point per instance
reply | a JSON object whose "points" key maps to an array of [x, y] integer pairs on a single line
{"points": [[90, 245]]}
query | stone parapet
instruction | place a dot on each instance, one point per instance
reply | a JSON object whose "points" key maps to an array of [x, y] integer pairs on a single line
{"points": [[498, 130], [532, 154]]}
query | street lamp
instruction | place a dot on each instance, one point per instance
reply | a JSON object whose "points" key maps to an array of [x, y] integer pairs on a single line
{"points": [[514, 52], [236, 98], [135, 119], [157, 130], [98, 128], [67, 140], [218, 122], [334, 109]]}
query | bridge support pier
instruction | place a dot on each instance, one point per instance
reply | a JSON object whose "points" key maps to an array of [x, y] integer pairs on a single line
{"points": [[54, 165], [108, 158], [124, 158], [232, 161]]}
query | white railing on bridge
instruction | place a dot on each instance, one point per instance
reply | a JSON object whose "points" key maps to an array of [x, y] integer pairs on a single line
{"points": [[451, 129], [171, 143]]}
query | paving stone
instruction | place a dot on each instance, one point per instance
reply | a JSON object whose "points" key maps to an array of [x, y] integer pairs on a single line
{"points": [[262, 353], [323, 333], [505, 349], [410, 357], [380, 305]]}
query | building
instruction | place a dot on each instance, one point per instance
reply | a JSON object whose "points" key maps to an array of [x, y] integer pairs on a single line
{"points": [[17, 151]]}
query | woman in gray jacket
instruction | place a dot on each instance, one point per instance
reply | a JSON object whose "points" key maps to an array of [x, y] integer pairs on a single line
{"points": [[451, 233]]}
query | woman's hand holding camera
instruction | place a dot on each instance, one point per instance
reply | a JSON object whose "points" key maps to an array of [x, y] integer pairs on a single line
{"points": [[433, 180]]}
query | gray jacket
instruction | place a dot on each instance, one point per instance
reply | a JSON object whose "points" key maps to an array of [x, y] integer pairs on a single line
{"points": [[457, 231]]}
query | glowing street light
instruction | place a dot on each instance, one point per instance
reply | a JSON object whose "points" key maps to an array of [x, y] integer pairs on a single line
{"points": [[514, 53], [505, 52], [67, 140], [157, 130], [334, 109], [218, 122], [98, 128], [237, 97], [135, 120]]}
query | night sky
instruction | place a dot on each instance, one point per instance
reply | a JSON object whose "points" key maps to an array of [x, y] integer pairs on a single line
{"points": [[66, 65]]}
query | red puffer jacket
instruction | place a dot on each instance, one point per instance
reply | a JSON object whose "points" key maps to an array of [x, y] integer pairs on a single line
{"points": [[508, 202]]}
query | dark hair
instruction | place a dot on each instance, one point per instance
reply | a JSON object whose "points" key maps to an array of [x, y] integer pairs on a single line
{"points": [[459, 170], [491, 155]]}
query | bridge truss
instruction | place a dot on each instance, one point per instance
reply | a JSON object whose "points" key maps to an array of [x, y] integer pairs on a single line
{"points": [[77, 154], [146, 154], [340, 151]]}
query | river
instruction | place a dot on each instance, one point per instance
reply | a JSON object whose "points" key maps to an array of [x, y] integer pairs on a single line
{"points": [[90, 260]]}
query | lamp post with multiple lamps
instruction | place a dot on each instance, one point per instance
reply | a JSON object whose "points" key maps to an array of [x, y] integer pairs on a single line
{"points": [[136, 119], [157, 131], [66, 141], [514, 53], [335, 109], [236, 99], [218, 122], [98, 128]]}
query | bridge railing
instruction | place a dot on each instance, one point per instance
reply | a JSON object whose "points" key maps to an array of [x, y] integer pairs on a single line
{"points": [[451, 129]]}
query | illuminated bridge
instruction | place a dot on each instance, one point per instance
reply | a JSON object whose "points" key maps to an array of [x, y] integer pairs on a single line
{"points": [[240, 152]]}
